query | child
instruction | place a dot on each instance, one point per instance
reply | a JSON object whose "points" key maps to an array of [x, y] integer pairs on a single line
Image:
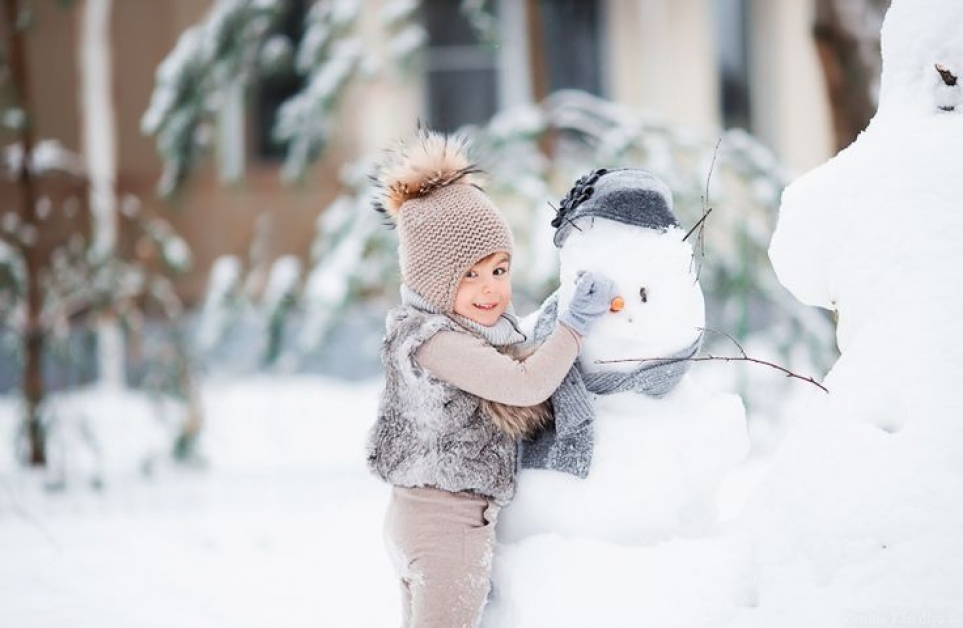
{"points": [[454, 403]]}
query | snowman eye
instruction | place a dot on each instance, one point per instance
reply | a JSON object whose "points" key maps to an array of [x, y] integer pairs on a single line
{"points": [[643, 293], [948, 77]]}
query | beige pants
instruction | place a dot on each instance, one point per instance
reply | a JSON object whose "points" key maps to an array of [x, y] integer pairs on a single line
{"points": [[441, 544]]}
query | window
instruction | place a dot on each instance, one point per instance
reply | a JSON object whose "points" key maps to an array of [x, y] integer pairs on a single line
{"points": [[570, 30], [273, 90], [732, 35], [461, 69]]}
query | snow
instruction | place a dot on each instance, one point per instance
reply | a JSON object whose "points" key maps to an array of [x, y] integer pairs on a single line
{"points": [[46, 156], [276, 52], [656, 467], [176, 252], [283, 526], [343, 245], [164, 97], [409, 39], [398, 10], [13, 118], [222, 286], [282, 281], [865, 492]]}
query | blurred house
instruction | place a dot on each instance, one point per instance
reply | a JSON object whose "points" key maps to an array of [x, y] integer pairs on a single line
{"points": [[704, 63]]}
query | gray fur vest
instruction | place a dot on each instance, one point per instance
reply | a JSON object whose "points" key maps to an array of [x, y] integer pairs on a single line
{"points": [[429, 432]]}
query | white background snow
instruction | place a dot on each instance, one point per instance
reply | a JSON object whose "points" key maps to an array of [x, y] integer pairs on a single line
{"points": [[852, 518]]}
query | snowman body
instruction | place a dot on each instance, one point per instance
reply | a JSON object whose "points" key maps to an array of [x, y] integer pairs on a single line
{"points": [[657, 461]]}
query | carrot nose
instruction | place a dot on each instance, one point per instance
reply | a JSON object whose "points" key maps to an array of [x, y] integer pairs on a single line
{"points": [[617, 304]]}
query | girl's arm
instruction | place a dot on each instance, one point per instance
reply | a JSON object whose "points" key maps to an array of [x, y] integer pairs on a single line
{"points": [[468, 362]]}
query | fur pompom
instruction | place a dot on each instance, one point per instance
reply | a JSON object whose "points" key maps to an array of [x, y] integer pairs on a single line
{"points": [[429, 162]]}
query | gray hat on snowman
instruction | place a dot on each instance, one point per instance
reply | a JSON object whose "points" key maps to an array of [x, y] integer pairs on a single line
{"points": [[628, 195]]}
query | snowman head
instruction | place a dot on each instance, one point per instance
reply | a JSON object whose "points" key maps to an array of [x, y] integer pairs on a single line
{"points": [[620, 223], [922, 47]]}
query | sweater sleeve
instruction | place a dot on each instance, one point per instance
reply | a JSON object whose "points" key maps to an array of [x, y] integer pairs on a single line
{"points": [[473, 365]]}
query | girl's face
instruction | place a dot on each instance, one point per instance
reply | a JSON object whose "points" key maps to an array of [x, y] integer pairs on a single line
{"points": [[485, 290]]}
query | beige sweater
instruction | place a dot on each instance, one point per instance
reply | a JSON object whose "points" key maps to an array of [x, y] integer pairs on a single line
{"points": [[471, 364]]}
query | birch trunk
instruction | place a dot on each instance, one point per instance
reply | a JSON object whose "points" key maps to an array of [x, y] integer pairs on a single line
{"points": [[99, 145]]}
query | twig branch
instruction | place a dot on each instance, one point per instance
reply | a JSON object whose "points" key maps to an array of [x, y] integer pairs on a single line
{"points": [[700, 248], [723, 358], [724, 334], [705, 197], [698, 224]]}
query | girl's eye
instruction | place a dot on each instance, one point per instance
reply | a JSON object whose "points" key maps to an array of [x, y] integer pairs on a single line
{"points": [[501, 271], [471, 274]]}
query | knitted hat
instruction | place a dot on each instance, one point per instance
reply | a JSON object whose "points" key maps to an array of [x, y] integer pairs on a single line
{"points": [[446, 223], [629, 195]]}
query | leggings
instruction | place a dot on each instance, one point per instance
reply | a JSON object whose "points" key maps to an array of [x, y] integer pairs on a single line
{"points": [[441, 546]]}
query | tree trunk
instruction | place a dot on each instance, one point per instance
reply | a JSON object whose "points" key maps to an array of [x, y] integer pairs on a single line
{"points": [[538, 65], [33, 333], [847, 40], [536, 51]]}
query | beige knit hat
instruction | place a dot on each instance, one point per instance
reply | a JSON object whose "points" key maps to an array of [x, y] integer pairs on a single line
{"points": [[446, 223]]}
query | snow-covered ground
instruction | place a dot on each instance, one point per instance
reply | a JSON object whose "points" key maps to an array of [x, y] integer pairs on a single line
{"points": [[282, 528]]}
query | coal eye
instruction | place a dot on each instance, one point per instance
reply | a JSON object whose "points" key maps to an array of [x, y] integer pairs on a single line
{"points": [[948, 77], [644, 294]]}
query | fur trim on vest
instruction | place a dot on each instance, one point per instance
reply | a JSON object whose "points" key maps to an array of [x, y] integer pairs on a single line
{"points": [[429, 432], [519, 421]]}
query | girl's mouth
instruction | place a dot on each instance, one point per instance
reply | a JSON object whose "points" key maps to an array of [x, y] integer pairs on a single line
{"points": [[485, 306]]}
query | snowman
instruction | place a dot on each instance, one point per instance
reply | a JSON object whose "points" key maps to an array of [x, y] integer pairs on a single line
{"points": [[621, 493], [638, 449]]}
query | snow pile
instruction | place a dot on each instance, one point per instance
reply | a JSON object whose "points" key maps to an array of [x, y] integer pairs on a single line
{"points": [[862, 509]]}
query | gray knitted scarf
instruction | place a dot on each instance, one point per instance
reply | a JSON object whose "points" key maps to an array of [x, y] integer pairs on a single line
{"points": [[503, 333], [568, 445]]}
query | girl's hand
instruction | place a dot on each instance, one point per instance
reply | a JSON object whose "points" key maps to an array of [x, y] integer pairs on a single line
{"points": [[592, 299]]}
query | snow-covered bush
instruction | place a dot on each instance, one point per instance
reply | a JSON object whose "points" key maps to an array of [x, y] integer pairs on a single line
{"points": [[50, 253]]}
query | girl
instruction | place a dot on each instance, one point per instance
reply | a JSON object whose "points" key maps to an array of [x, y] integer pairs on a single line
{"points": [[455, 403]]}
